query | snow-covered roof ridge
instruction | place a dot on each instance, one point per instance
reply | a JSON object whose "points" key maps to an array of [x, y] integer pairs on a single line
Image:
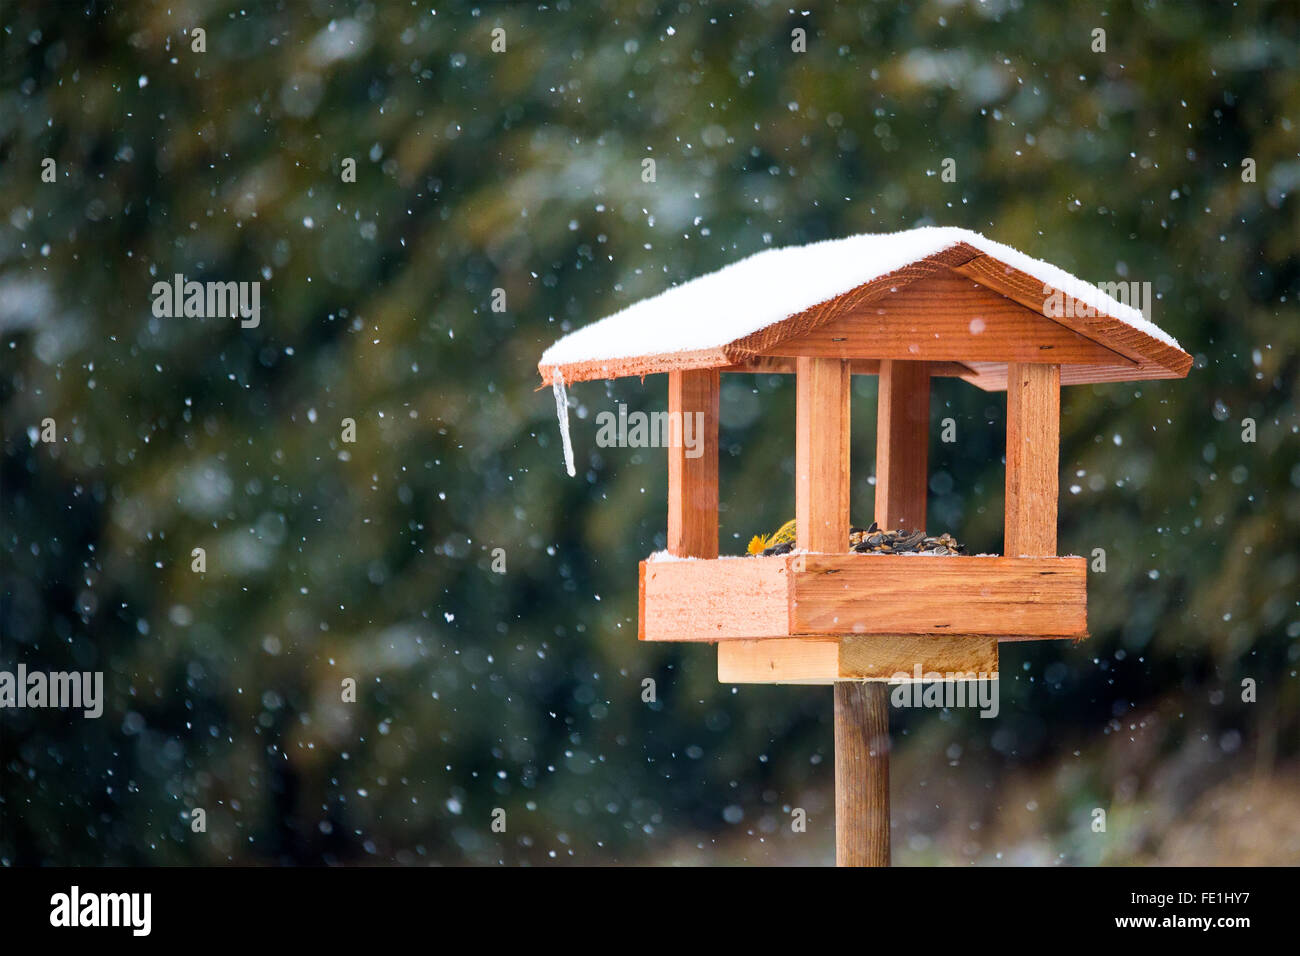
{"points": [[705, 315]]}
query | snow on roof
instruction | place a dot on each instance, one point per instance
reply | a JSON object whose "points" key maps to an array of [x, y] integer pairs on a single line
{"points": [[763, 289]]}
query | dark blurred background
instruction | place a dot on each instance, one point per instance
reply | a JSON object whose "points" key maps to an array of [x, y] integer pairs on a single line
{"points": [[521, 170]]}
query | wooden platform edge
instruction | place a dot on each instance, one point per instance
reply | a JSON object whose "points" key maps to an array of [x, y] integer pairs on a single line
{"points": [[819, 595], [937, 596], [893, 659]]}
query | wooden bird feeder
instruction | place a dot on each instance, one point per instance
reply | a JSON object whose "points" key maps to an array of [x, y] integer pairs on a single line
{"points": [[906, 307]]}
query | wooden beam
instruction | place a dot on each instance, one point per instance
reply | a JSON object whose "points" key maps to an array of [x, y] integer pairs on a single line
{"points": [[885, 657], [902, 445], [785, 365], [861, 774], [693, 481], [992, 377], [915, 594], [825, 660], [790, 660], [821, 487], [715, 600], [1033, 458]]}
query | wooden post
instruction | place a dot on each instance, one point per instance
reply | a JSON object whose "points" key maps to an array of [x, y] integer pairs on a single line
{"points": [[821, 508], [693, 482], [861, 773], [821, 483], [902, 445], [1033, 458], [862, 708]]}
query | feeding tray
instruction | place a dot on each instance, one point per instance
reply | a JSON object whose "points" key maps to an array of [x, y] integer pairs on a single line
{"points": [[906, 307], [818, 618]]}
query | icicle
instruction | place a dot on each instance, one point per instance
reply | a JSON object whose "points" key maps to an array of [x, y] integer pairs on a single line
{"points": [[562, 413]]}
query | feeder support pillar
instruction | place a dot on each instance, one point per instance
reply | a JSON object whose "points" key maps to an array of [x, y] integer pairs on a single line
{"points": [[1033, 459], [693, 463], [862, 707], [821, 455], [861, 773], [902, 445], [821, 508]]}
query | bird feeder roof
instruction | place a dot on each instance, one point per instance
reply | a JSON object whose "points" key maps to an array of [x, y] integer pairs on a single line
{"points": [[943, 295]]}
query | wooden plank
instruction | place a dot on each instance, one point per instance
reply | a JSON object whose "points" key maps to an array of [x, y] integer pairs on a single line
{"points": [[886, 657], [693, 482], [785, 365], [902, 445], [821, 487], [992, 377], [763, 365], [714, 600], [891, 658], [861, 774], [919, 594], [779, 661], [948, 317], [1033, 458]]}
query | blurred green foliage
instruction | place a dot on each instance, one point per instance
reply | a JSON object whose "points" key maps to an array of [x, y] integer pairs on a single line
{"points": [[522, 171]]}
